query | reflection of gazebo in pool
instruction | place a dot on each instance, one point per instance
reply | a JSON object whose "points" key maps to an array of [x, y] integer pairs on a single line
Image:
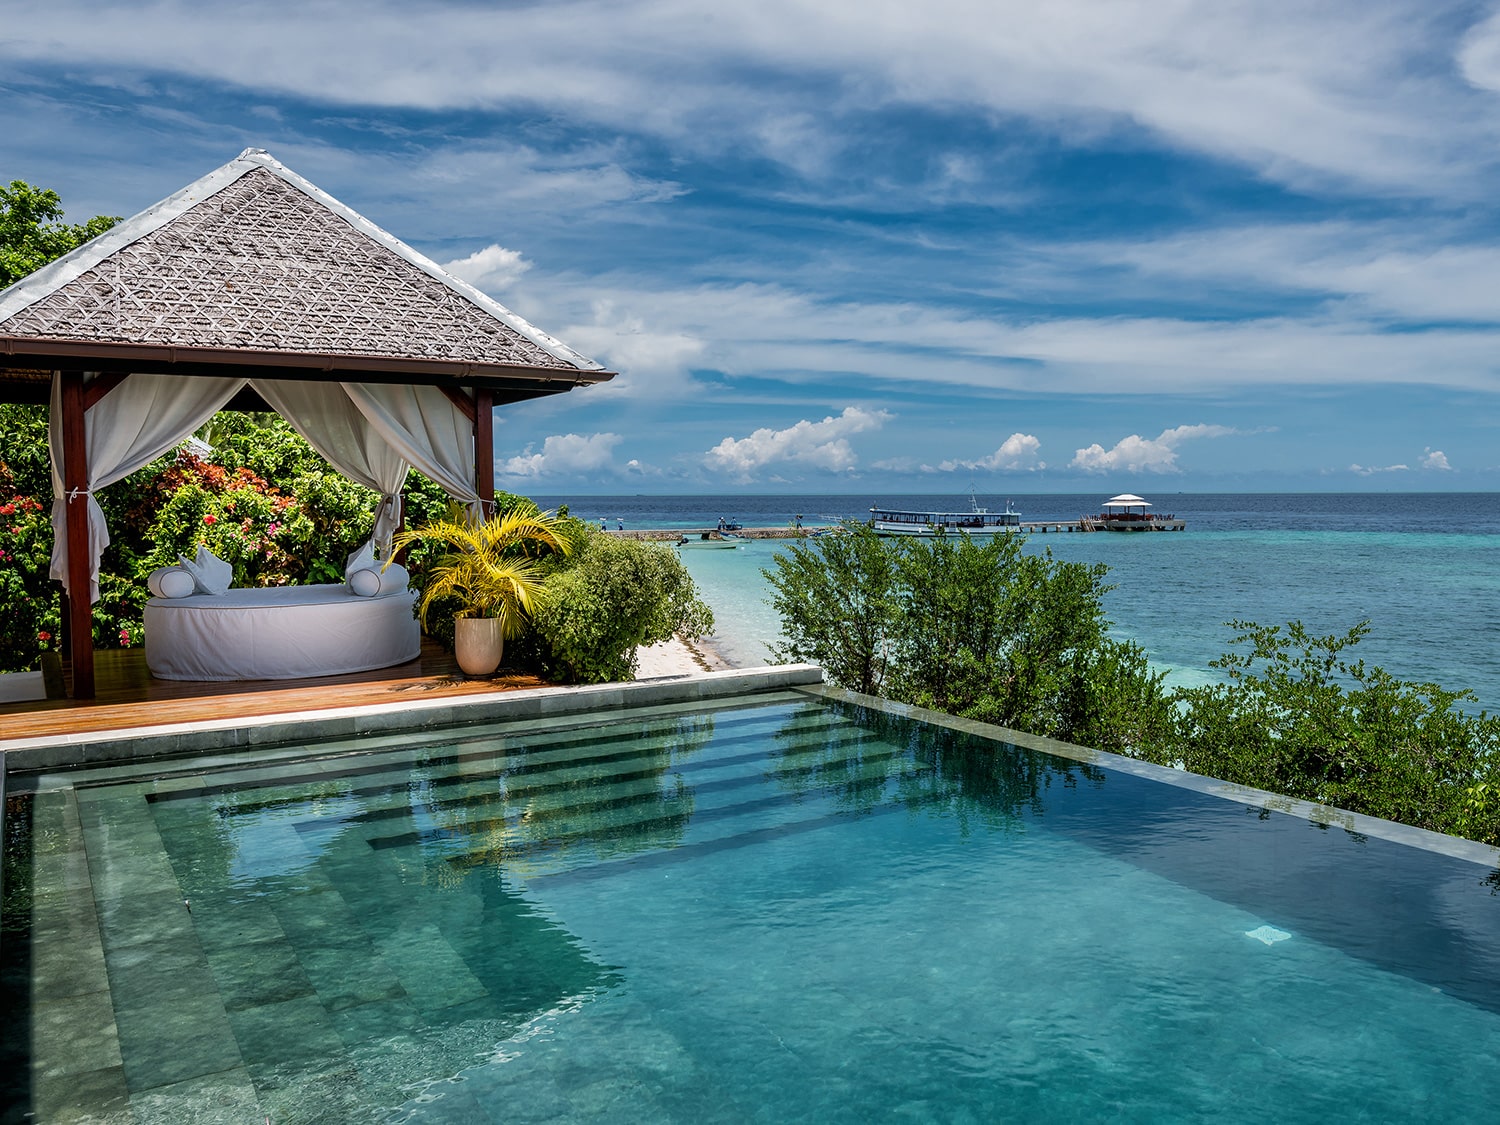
{"points": [[252, 289]]}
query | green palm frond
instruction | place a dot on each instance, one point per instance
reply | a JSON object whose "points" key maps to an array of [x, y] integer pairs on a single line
{"points": [[492, 566]]}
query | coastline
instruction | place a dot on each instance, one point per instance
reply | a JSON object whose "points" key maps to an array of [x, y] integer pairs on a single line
{"points": [[678, 657]]}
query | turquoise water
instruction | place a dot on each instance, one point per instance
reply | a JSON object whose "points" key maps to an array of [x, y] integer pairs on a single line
{"points": [[1423, 570], [775, 911]]}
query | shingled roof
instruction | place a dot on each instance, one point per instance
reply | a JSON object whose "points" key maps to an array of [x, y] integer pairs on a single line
{"points": [[254, 266]]}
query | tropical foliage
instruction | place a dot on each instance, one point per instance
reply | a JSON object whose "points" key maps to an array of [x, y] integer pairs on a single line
{"points": [[492, 568], [618, 594], [993, 632], [32, 233]]}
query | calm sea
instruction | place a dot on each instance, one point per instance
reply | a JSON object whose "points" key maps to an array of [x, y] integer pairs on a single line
{"points": [[1422, 568]]}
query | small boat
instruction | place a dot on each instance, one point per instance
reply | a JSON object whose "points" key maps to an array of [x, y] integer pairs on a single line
{"points": [[976, 521], [1127, 512], [706, 539]]}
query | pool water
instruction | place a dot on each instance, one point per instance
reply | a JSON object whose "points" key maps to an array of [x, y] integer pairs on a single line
{"points": [[781, 908]]}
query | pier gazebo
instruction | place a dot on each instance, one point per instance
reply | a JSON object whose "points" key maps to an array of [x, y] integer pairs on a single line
{"points": [[252, 289]]}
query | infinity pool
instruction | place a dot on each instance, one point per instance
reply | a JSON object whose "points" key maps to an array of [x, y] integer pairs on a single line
{"points": [[786, 908]]}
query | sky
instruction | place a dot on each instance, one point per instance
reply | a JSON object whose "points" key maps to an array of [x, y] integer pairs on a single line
{"points": [[876, 247]]}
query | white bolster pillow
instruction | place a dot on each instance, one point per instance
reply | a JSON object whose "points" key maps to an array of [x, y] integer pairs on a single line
{"points": [[170, 582], [372, 583]]}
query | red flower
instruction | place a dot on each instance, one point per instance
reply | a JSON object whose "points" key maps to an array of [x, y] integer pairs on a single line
{"points": [[210, 519], [44, 636], [7, 509]]}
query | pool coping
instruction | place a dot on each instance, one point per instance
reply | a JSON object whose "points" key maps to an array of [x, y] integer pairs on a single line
{"points": [[1454, 847], [92, 748]]}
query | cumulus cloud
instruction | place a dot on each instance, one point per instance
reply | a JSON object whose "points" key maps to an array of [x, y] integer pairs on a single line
{"points": [[1017, 452], [493, 269], [1435, 459], [823, 445], [1135, 454], [562, 453]]}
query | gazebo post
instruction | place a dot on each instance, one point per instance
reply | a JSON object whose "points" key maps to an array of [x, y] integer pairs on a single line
{"points": [[484, 448], [75, 474]]}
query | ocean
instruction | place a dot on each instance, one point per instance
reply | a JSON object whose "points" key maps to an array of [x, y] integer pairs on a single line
{"points": [[1422, 568]]}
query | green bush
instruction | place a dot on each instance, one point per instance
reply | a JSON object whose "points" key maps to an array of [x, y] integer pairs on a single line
{"points": [[614, 595]]}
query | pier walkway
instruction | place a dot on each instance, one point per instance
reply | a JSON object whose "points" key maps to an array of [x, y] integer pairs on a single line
{"points": [[1026, 527]]}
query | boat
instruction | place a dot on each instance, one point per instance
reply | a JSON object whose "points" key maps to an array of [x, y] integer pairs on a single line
{"points": [[976, 521], [1127, 512], [709, 540]]}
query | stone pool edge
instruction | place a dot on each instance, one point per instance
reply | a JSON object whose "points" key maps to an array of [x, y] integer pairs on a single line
{"points": [[1455, 847], [93, 748]]}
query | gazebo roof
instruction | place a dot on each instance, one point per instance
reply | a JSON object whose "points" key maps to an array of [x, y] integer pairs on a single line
{"points": [[254, 267]]}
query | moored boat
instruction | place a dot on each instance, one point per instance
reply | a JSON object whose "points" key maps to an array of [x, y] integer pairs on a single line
{"points": [[976, 521]]}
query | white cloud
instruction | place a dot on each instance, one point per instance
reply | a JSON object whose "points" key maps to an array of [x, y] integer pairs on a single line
{"points": [[823, 445], [650, 361], [493, 269], [1252, 81], [1135, 454], [1370, 470], [563, 453], [1435, 459], [1017, 452]]}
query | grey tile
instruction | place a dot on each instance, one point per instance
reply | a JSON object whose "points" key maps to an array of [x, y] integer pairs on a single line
{"points": [[348, 976], [73, 1035], [258, 973], [296, 1031], [96, 1095], [214, 1099], [176, 1042]]}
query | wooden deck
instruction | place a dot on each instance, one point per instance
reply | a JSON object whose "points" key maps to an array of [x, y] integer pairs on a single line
{"points": [[127, 696]]}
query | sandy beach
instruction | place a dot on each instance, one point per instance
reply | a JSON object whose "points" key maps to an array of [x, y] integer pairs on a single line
{"points": [[677, 657]]}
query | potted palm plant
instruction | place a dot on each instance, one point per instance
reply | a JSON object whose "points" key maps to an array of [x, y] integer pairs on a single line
{"points": [[492, 567]]}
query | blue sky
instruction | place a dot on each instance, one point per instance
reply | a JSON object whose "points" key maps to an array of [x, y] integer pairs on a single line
{"points": [[872, 246]]}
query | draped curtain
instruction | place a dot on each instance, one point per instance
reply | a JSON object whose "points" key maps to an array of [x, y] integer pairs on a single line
{"points": [[324, 414], [131, 426], [426, 428], [372, 433]]}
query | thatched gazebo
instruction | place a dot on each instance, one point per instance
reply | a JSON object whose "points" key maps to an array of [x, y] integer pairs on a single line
{"points": [[252, 289]]}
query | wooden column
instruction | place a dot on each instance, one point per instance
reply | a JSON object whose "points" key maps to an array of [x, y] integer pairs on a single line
{"points": [[75, 476], [484, 448]]}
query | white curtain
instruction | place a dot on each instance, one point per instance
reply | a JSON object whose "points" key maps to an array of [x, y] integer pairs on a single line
{"points": [[131, 426], [325, 415], [426, 428]]}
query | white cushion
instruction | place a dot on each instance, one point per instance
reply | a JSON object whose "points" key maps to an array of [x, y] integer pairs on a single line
{"points": [[211, 574], [362, 558], [369, 583], [170, 582]]}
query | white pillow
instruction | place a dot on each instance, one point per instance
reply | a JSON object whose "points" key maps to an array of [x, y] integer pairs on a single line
{"points": [[372, 583], [170, 582], [363, 558], [211, 574]]}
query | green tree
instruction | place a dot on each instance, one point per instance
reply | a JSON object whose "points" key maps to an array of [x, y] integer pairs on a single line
{"points": [[1298, 716], [32, 233], [836, 595], [616, 595], [977, 629]]}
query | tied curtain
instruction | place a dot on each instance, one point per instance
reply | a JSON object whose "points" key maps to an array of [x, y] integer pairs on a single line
{"points": [[324, 414], [127, 429], [371, 433]]}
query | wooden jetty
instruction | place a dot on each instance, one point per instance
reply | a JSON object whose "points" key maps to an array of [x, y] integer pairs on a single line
{"points": [[1026, 527]]}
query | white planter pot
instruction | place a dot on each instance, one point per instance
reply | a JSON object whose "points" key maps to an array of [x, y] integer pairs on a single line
{"points": [[478, 644]]}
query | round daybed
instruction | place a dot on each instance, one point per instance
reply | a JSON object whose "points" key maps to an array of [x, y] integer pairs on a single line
{"points": [[279, 633]]}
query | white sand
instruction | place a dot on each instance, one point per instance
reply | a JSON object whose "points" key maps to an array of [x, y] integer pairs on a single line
{"points": [[676, 658]]}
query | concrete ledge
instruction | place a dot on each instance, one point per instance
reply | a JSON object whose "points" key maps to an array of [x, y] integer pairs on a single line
{"points": [[178, 739]]}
